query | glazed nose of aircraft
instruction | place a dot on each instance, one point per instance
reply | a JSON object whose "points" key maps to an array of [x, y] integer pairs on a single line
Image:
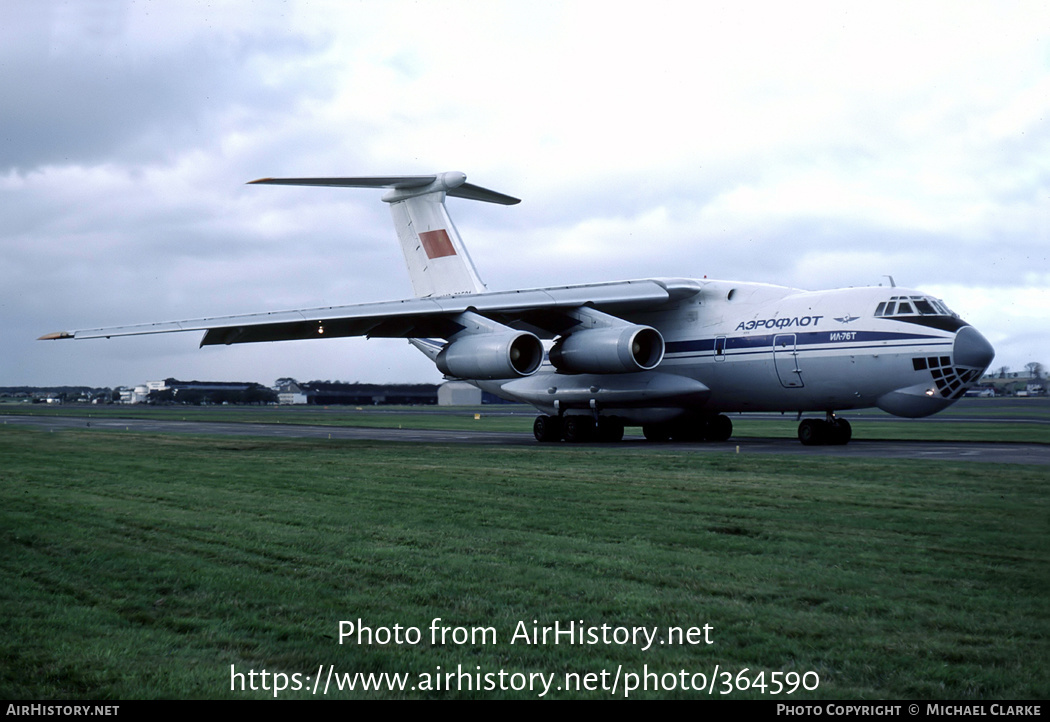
{"points": [[972, 349]]}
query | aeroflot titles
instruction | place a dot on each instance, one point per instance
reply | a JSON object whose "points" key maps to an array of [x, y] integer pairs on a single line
{"points": [[779, 323]]}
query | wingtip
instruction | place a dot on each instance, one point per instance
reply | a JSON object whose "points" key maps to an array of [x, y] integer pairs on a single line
{"points": [[55, 336], [259, 180]]}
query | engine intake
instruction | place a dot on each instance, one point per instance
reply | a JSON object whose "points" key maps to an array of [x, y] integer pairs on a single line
{"points": [[486, 356], [612, 350]]}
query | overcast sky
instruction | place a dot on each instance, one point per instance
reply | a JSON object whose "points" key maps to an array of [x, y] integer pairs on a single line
{"points": [[815, 145]]}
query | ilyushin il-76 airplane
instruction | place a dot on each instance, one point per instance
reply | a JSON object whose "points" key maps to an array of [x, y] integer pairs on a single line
{"points": [[672, 355]]}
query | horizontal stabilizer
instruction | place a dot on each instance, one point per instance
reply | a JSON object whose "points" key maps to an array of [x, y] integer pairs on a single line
{"points": [[477, 193], [453, 184]]}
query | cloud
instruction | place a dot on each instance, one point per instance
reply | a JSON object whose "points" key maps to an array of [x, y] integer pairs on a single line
{"points": [[101, 82], [809, 144]]}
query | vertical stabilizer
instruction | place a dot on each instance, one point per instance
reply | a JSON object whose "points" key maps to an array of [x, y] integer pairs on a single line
{"points": [[438, 262]]}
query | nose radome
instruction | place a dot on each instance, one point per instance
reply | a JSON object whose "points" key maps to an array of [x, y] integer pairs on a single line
{"points": [[972, 349]]}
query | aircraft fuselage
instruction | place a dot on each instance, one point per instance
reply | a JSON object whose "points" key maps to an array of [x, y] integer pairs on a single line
{"points": [[738, 347]]}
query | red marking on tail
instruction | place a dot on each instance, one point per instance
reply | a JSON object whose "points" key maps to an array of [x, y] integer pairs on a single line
{"points": [[437, 244]]}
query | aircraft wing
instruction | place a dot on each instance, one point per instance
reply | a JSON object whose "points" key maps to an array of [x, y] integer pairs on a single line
{"points": [[418, 317]]}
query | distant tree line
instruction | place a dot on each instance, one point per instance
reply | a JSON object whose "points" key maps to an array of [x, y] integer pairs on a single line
{"points": [[64, 393], [1033, 370]]}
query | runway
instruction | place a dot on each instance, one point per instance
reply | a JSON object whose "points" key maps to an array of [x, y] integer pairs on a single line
{"points": [[990, 453]]}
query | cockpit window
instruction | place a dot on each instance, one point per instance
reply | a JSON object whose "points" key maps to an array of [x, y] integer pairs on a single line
{"points": [[925, 307], [911, 306]]}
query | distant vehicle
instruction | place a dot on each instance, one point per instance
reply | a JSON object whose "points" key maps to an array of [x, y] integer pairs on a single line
{"points": [[672, 355]]}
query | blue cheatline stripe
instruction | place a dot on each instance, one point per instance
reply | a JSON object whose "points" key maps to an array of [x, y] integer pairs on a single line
{"points": [[809, 338], [764, 352]]}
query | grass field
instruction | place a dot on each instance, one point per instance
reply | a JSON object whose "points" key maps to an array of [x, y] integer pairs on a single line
{"points": [[139, 566]]}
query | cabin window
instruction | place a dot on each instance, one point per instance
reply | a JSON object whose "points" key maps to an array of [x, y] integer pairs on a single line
{"points": [[904, 308]]}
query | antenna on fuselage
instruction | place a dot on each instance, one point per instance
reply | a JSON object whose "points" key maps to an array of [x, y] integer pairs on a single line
{"points": [[892, 284]]}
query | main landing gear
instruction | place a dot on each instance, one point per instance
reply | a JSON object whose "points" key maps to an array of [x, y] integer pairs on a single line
{"points": [[831, 431]]}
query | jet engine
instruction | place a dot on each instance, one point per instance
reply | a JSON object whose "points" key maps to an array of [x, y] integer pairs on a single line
{"points": [[609, 350], [486, 356]]}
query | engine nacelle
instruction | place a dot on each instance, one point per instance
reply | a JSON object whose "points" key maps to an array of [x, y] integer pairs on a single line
{"points": [[486, 356], [609, 350]]}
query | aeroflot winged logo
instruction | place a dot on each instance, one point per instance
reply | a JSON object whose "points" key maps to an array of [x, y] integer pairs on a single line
{"points": [[848, 318], [437, 244]]}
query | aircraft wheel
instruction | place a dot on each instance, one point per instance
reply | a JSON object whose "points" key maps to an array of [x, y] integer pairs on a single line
{"points": [[841, 432], [656, 432], [578, 429], [547, 428], [719, 428], [811, 432], [610, 429]]}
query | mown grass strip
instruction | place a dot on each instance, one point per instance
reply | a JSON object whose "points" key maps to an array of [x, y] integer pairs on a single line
{"points": [[144, 566]]}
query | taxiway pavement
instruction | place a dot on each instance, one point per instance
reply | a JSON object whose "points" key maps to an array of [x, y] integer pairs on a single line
{"points": [[991, 453]]}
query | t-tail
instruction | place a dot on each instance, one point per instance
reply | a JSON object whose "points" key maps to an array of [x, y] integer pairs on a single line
{"points": [[438, 262]]}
